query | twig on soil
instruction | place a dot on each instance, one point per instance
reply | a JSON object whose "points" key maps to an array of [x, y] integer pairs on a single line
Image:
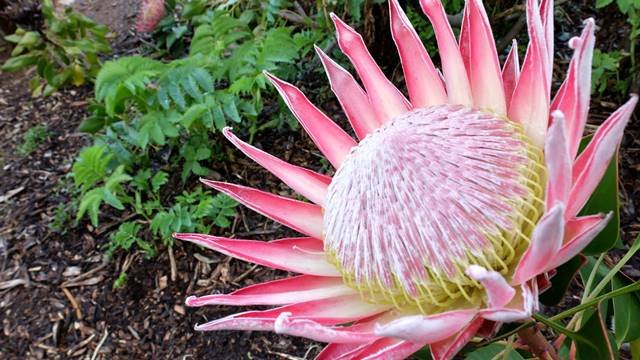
{"points": [[73, 302], [505, 40], [244, 274], [12, 283], [104, 338], [80, 345], [257, 232], [172, 264]]}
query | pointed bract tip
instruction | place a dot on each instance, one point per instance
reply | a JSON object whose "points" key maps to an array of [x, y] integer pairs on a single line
{"points": [[281, 322], [191, 301], [321, 54], [340, 24], [211, 183], [227, 131]]}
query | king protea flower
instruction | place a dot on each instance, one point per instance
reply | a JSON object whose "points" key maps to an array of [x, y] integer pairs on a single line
{"points": [[150, 14], [449, 212]]}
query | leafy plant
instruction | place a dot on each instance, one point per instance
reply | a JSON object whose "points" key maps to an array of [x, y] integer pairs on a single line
{"points": [[126, 237], [173, 33], [64, 52], [32, 139], [155, 122], [606, 70]]}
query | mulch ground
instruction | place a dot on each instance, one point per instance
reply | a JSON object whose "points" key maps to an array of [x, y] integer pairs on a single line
{"points": [[56, 296]]}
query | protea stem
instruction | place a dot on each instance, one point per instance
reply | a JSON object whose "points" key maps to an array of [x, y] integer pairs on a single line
{"points": [[538, 344]]}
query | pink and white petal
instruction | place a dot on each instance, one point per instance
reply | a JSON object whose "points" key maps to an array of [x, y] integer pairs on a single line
{"points": [[278, 292], [574, 94], [448, 348], [286, 254], [335, 351], [530, 101], [547, 17], [354, 101], [427, 329], [300, 216], [499, 292], [308, 183], [332, 311], [592, 163], [339, 351], [312, 330], [455, 73], [546, 240], [423, 81], [332, 141], [389, 349], [520, 308], [511, 72], [579, 233], [479, 53], [558, 161], [385, 98]]}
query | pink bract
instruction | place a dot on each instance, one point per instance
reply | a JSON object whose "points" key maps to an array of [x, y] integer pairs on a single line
{"points": [[150, 14], [449, 209]]}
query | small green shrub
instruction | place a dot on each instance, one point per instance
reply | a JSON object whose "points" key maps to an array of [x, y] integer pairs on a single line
{"points": [[606, 68], [32, 139], [156, 122], [64, 52]]}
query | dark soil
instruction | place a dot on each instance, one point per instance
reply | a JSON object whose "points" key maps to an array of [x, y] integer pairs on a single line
{"points": [[56, 296]]}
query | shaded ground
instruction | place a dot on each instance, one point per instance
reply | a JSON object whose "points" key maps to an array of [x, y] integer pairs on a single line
{"points": [[56, 296]]}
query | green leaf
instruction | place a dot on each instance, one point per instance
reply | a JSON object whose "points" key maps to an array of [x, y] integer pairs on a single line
{"points": [[111, 199], [596, 342], [604, 200], [230, 109], [192, 114], [92, 124], [20, 62], [494, 351], [626, 313], [116, 178], [635, 349], [204, 79], [90, 203], [602, 3], [90, 166], [159, 179], [561, 281], [176, 94]]}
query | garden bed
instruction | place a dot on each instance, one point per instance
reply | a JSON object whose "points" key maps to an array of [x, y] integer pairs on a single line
{"points": [[56, 289]]}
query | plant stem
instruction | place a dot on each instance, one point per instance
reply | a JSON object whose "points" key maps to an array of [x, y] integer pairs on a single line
{"points": [[538, 345]]}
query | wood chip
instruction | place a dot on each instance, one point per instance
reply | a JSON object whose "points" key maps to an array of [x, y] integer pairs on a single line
{"points": [[162, 282], [11, 193], [89, 282], [179, 309], [12, 283]]}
